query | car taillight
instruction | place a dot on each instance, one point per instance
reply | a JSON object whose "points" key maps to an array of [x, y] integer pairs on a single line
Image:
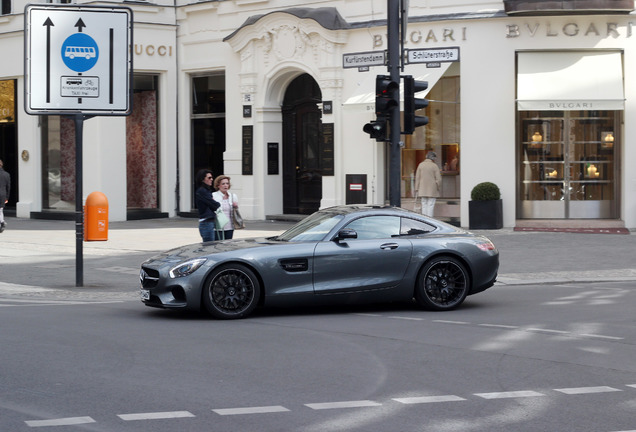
{"points": [[486, 245]]}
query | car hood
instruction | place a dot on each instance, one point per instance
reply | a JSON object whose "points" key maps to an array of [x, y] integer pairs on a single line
{"points": [[183, 253]]}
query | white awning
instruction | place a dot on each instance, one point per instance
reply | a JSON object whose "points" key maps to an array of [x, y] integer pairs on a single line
{"points": [[366, 96], [567, 81]]}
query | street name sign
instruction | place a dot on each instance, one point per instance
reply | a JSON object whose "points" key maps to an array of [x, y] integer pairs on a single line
{"points": [[78, 59], [433, 55], [364, 59]]}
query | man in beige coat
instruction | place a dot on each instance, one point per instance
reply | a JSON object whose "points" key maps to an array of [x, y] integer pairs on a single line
{"points": [[428, 181]]}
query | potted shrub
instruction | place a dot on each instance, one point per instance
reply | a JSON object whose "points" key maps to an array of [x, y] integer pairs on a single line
{"points": [[485, 209]]}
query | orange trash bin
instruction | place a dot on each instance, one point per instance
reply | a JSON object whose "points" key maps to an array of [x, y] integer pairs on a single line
{"points": [[96, 217]]}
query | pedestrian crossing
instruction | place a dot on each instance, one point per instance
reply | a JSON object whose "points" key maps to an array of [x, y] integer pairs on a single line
{"points": [[388, 403]]}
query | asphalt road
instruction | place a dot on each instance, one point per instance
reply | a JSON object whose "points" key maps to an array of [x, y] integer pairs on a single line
{"points": [[549, 348], [549, 357]]}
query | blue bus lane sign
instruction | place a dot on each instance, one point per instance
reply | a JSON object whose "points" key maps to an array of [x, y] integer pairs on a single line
{"points": [[78, 59]]}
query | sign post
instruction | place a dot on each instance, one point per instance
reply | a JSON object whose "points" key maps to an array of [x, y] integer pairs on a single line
{"points": [[78, 63]]}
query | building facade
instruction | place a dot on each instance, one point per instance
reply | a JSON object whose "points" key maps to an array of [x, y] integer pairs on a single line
{"points": [[534, 99]]}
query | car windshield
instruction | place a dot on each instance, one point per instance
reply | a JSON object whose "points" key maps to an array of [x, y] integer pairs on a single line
{"points": [[313, 228]]}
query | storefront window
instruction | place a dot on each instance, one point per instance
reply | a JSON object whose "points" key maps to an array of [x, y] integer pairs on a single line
{"points": [[58, 163], [440, 135], [142, 153], [567, 164], [8, 141]]}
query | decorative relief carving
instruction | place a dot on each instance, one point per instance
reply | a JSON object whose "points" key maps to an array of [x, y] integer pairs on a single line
{"points": [[278, 41]]}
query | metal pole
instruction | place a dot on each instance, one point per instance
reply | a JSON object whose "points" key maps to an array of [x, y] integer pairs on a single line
{"points": [[393, 32], [79, 208]]}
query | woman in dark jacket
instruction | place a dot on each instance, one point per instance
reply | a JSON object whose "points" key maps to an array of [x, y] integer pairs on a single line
{"points": [[206, 205]]}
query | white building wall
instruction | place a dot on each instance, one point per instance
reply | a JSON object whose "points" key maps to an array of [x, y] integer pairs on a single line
{"points": [[487, 66]]}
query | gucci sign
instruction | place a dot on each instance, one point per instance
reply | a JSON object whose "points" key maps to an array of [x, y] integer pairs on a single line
{"points": [[152, 50]]}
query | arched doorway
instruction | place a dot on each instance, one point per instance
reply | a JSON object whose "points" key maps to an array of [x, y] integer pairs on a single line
{"points": [[302, 143]]}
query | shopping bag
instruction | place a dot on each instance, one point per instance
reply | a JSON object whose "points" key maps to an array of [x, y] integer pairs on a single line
{"points": [[221, 219]]}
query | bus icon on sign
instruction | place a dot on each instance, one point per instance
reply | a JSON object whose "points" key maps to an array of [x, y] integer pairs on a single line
{"points": [[86, 52], [80, 52]]}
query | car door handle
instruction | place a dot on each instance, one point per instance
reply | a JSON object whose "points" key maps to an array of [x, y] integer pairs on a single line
{"points": [[389, 246]]}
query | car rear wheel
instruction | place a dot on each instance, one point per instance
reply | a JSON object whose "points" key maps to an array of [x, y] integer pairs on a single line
{"points": [[231, 292], [443, 284]]}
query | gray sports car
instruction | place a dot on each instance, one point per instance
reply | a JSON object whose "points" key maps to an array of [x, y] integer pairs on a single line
{"points": [[344, 254]]}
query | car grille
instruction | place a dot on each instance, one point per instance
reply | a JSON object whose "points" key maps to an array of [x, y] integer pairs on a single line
{"points": [[148, 277]]}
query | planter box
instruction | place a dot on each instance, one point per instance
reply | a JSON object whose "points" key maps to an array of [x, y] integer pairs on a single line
{"points": [[485, 214]]}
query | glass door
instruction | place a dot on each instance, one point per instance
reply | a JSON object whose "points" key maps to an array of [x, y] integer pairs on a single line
{"points": [[567, 165]]}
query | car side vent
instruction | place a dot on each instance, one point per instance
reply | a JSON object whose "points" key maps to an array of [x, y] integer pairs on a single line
{"points": [[295, 265]]}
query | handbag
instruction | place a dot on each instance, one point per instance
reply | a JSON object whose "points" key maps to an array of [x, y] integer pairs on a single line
{"points": [[237, 219], [221, 219]]}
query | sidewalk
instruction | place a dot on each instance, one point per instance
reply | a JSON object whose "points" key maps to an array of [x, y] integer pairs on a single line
{"points": [[42, 253]]}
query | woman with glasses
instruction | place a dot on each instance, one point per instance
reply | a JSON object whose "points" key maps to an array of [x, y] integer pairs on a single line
{"points": [[206, 205]]}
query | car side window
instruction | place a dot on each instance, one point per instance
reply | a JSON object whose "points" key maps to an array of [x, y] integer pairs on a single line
{"points": [[415, 227], [376, 227]]}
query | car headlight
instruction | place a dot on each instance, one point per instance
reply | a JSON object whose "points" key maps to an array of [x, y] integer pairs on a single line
{"points": [[186, 268]]}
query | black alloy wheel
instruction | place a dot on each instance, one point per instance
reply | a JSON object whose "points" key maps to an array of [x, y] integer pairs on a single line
{"points": [[443, 284], [231, 292]]}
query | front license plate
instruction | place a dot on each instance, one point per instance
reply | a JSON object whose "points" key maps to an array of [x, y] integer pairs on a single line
{"points": [[144, 294]]}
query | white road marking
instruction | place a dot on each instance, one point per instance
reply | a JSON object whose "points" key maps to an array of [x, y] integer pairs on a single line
{"points": [[156, 415], [339, 405], [541, 330], [69, 421], [251, 410], [587, 390], [428, 399], [511, 394], [451, 322], [602, 337], [406, 318], [24, 303], [500, 326]]}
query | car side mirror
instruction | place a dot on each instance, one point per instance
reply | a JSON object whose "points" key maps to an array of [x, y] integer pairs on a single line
{"points": [[346, 233]]}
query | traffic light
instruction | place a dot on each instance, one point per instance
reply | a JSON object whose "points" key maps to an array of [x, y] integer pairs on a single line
{"points": [[412, 104], [387, 95], [387, 98], [376, 129]]}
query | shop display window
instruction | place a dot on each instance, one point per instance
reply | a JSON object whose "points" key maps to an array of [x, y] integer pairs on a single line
{"points": [[58, 163], [569, 156], [142, 153], [440, 135]]}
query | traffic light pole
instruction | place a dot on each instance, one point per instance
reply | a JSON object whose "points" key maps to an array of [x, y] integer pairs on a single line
{"points": [[394, 57]]}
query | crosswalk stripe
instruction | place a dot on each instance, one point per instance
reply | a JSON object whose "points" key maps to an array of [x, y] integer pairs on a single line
{"points": [[511, 394], [587, 390], [428, 399], [250, 410], [338, 405], [155, 415], [69, 421]]}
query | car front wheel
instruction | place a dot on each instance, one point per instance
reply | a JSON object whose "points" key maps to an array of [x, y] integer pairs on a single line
{"points": [[443, 284], [231, 292]]}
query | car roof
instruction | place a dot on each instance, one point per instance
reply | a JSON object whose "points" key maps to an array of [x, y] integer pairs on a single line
{"points": [[380, 209], [364, 208]]}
